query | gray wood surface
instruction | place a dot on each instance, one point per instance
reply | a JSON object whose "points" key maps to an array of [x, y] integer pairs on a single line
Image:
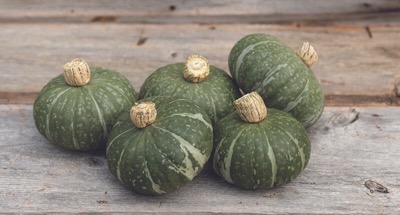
{"points": [[205, 11], [353, 67], [349, 148]]}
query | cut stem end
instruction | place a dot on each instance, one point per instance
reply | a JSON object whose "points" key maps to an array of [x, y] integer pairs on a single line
{"points": [[251, 107], [143, 114], [307, 54], [77, 73], [196, 69]]}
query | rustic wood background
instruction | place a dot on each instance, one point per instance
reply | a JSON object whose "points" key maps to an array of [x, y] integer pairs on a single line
{"points": [[352, 145]]}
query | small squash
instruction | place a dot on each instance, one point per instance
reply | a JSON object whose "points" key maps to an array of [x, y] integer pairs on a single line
{"points": [[206, 86], [256, 151], [261, 63], [77, 110], [160, 145]]}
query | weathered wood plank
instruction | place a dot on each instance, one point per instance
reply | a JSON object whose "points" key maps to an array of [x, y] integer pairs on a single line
{"points": [[349, 147], [209, 11], [353, 68]]}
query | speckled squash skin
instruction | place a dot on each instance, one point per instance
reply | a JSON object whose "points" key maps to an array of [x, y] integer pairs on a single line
{"points": [[80, 118], [165, 155], [260, 62], [260, 155], [215, 94]]}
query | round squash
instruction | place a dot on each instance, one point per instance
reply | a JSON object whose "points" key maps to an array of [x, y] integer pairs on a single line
{"points": [[206, 86], [256, 151], [77, 110], [160, 145], [261, 63]]}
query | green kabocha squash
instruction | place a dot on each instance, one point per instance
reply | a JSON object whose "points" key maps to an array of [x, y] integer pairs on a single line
{"points": [[261, 63], [206, 86], [77, 110], [256, 151], [160, 145]]}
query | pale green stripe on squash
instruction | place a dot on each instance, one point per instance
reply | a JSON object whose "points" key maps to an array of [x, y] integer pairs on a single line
{"points": [[74, 140], [48, 133], [156, 188], [299, 98], [186, 147], [226, 169], [197, 116], [99, 113], [271, 156]]}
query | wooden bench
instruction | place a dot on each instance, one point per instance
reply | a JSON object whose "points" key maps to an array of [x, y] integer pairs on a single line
{"points": [[355, 160]]}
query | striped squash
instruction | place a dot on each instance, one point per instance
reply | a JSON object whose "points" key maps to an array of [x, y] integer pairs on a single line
{"points": [[260, 62], [256, 151], [160, 145], [77, 110], [206, 86]]}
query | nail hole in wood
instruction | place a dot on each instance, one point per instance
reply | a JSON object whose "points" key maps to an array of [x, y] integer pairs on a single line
{"points": [[172, 7], [141, 41]]}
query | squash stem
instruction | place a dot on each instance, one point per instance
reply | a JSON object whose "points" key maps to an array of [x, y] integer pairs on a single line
{"points": [[77, 73], [251, 107], [143, 114], [307, 54], [196, 69]]}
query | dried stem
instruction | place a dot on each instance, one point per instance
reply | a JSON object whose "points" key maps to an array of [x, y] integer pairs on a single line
{"points": [[196, 69], [251, 107], [307, 53], [143, 114], [77, 72]]}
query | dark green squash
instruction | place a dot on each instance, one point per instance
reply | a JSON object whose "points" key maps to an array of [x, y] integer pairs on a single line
{"points": [[206, 86], [160, 145], [260, 62], [256, 151], [77, 110]]}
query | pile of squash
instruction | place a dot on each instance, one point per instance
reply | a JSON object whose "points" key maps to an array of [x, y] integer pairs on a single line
{"points": [[189, 113]]}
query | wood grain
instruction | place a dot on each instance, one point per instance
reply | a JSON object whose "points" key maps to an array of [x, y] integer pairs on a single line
{"points": [[208, 11], [353, 68], [349, 147]]}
